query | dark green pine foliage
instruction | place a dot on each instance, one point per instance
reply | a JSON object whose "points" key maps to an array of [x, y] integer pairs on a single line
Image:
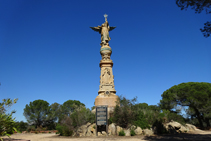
{"points": [[194, 96]]}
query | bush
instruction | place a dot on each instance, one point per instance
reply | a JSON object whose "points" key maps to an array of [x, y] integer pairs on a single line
{"points": [[21, 126], [132, 132], [7, 123], [141, 121], [81, 116], [122, 133], [65, 128], [123, 112]]}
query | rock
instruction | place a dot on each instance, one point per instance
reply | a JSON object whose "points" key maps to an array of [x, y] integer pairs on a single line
{"points": [[104, 133], [173, 127], [133, 127], [91, 130], [118, 129], [99, 134], [169, 128], [147, 132], [82, 130], [190, 127], [88, 124], [138, 131], [127, 132], [183, 129], [175, 124], [112, 129]]}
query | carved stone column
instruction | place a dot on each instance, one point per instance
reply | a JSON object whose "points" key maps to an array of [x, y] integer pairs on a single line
{"points": [[107, 93]]}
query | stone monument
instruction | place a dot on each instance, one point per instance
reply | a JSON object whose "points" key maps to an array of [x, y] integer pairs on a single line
{"points": [[107, 93]]}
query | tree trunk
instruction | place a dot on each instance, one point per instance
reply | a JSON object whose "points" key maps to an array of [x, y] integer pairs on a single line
{"points": [[199, 117], [207, 120]]}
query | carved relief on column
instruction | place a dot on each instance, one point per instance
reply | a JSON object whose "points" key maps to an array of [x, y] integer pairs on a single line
{"points": [[106, 76]]}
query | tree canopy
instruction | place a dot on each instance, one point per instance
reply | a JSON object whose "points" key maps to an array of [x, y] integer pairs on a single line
{"points": [[36, 112], [198, 6], [194, 95], [69, 106]]}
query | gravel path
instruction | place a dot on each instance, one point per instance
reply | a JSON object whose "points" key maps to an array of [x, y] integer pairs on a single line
{"points": [[197, 135]]}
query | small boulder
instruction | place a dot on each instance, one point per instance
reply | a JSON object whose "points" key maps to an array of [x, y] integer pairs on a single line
{"points": [[133, 127], [147, 132], [99, 134], [118, 129], [104, 133], [112, 129], [127, 132], [138, 131]]}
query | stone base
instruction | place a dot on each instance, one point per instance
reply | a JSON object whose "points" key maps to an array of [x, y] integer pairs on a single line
{"points": [[109, 100]]}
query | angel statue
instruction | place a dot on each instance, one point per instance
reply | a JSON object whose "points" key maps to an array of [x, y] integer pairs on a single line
{"points": [[104, 31]]}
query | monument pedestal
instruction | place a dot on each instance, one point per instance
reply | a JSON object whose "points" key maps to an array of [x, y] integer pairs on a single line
{"points": [[106, 100]]}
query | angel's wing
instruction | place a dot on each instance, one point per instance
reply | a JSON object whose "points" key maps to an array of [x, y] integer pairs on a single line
{"points": [[97, 29], [111, 28]]}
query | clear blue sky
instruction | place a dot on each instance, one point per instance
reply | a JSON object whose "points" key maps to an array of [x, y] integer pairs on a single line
{"points": [[48, 51]]}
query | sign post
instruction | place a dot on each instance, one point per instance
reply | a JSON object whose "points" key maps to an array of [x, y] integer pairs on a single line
{"points": [[101, 118]]}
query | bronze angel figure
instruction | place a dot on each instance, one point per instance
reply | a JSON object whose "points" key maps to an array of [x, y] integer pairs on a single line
{"points": [[104, 31]]}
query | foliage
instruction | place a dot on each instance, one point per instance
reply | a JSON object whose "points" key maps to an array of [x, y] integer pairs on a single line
{"points": [[158, 124], [198, 6], [65, 128], [21, 126], [70, 105], [194, 95], [132, 132], [7, 123], [53, 116], [81, 116], [36, 112], [123, 113], [141, 121], [122, 133], [110, 120], [30, 128]]}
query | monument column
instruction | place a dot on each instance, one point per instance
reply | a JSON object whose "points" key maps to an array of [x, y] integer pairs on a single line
{"points": [[107, 93]]}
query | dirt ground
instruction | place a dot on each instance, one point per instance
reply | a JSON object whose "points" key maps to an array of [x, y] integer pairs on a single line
{"points": [[197, 135]]}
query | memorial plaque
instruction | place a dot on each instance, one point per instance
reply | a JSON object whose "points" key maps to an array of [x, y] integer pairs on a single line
{"points": [[101, 115]]}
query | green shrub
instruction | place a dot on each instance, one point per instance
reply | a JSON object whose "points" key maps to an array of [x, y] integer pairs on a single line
{"points": [[67, 131], [65, 128], [81, 116], [132, 132], [141, 121], [122, 133], [7, 122], [110, 120], [59, 128]]}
